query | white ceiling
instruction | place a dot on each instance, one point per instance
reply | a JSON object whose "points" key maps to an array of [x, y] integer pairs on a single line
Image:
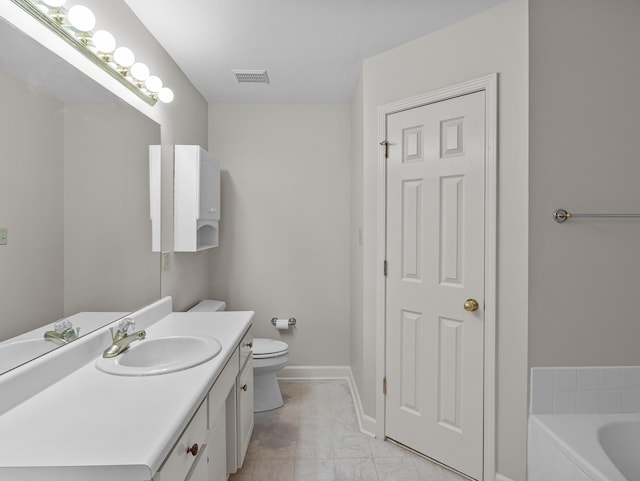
{"points": [[312, 49]]}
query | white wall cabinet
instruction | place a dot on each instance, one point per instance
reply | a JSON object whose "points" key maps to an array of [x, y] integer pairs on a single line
{"points": [[196, 199]]}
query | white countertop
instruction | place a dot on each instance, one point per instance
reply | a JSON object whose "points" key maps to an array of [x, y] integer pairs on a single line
{"points": [[93, 425]]}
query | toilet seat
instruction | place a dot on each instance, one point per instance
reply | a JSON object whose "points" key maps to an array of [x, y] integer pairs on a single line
{"points": [[268, 348]]}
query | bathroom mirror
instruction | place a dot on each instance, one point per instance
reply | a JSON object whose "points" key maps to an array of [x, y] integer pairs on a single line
{"points": [[75, 228]]}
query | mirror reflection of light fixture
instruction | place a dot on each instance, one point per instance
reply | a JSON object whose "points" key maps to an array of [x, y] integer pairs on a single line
{"points": [[75, 25]]}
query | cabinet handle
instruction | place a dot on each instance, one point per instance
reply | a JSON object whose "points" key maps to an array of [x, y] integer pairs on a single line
{"points": [[193, 449], [244, 388], [250, 344]]}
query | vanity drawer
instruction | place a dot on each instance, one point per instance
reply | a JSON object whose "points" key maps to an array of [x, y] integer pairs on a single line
{"points": [[246, 346], [185, 452]]}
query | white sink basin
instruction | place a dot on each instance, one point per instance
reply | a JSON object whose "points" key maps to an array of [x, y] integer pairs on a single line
{"points": [[161, 355]]}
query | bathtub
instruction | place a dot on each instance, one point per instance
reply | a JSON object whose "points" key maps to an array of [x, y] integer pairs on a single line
{"points": [[584, 447]]}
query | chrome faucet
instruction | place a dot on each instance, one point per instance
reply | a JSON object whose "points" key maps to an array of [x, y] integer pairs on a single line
{"points": [[123, 337], [62, 333]]}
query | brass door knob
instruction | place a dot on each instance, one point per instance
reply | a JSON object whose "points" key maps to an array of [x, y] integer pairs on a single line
{"points": [[193, 449], [244, 387], [471, 305]]}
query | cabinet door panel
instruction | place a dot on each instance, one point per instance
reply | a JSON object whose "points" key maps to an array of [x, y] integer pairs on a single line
{"points": [[199, 471], [245, 409], [217, 447]]}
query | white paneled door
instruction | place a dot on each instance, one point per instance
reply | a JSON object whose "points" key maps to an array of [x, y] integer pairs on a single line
{"points": [[435, 280]]}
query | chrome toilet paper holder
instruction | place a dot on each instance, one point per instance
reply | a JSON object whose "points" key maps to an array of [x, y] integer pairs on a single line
{"points": [[292, 321]]}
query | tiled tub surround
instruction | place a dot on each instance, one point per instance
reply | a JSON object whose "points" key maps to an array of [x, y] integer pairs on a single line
{"points": [[570, 410], [584, 390]]}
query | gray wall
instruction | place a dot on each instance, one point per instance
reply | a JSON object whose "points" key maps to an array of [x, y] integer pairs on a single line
{"points": [[492, 41], [585, 115], [284, 247], [357, 326], [31, 207]]}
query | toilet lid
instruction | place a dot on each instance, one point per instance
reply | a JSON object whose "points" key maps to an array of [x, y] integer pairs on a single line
{"points": [[265, 348]]}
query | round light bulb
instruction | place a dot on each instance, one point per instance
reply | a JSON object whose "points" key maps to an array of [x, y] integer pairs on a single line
{"points": [[153, 84], [139, 71], [104, 41], [165, 95], [54, 3], [81, 18], [124, 57]]}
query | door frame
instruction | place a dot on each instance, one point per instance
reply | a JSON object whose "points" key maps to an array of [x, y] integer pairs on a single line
{"points": [[488, 84]]}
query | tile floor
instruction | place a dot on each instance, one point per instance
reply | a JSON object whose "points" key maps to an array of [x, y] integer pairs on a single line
{"points": [[315, 437]]}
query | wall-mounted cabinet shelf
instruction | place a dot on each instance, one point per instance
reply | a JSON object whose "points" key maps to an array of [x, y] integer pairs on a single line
{"points": [[196, 199]]}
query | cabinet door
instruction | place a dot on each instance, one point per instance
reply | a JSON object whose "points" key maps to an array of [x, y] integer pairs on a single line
{"points": [[199, 470], [231, 406], [187, 450], [209, 187], [245, 409], [217, 447]]}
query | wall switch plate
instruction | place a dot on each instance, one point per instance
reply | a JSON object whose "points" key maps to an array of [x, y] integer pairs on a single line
{"points": [[4, 233], [165, 260]]}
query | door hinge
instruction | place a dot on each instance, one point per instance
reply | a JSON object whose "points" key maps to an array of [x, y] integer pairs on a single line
{"points": [[384, 385], [385, 268], [385, 143]]}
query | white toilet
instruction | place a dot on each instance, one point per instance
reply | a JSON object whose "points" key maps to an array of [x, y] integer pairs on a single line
{"points": [[269, 356]]}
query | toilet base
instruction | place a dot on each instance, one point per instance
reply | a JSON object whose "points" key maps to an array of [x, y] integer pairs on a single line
{"points": [[266, 392]]}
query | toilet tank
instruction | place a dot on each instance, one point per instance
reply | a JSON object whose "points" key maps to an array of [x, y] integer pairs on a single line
{"points": [[209, 305]]}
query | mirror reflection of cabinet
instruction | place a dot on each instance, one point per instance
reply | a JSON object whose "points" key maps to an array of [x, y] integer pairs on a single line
{"points": [[155, 196], [196, 200]]}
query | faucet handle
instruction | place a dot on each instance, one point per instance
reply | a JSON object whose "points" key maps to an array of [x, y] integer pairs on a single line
{"points": [[127, 325], [62, 325]]}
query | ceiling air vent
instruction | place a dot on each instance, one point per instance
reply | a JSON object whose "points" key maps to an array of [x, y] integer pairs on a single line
{"points": [[251, 76]]}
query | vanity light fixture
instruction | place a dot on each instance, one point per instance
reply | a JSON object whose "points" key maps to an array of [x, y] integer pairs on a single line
{"points": [[105, 44], [75, 25]]}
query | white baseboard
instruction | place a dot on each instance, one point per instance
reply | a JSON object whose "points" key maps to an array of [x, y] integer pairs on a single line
{"points": [[302, 373], [500, 477]]}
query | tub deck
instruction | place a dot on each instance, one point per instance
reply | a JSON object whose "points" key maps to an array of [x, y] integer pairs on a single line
{"points": [[566, 447]]}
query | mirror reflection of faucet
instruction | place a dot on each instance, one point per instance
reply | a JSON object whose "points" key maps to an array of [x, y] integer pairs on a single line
{"points": [[123, 337], [63, 332]]}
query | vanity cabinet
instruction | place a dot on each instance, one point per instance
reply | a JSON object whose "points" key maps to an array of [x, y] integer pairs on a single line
{"points": [[220, 428], [226, 430], [188, 452], [240, 408], [245, 409], [166, 415]]}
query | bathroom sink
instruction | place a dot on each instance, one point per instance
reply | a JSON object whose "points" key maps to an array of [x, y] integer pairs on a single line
{"points": [[161, 355]]}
